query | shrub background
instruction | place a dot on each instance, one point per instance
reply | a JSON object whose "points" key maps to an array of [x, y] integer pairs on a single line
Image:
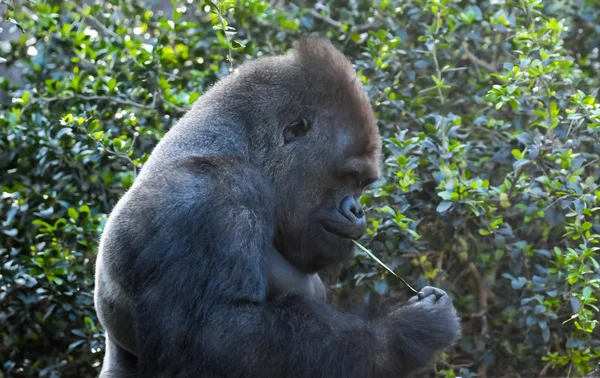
{"points": [[491, 135]]}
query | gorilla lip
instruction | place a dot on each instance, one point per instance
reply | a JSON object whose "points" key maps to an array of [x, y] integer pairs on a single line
{"points": [[337, 233]]}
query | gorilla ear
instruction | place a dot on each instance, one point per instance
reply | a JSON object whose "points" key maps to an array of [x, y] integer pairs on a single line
{"points": [[296, 130]]}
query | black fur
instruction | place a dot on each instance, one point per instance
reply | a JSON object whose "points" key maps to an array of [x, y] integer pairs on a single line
{"points": [[208, 266]]}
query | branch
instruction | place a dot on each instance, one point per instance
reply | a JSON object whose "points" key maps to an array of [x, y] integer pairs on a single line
{"points": [[358, 28], [96, 22], [326, 19], [94, 98], [545, 369], [176, 107], [482, 297], [478, 62], [111, 99]]}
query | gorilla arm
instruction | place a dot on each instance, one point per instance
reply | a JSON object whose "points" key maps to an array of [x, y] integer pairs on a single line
{"points": [[202, 309]]}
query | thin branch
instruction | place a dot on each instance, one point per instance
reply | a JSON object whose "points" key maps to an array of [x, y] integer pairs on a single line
{"points": [[571, 126], [9, 8], [555, 201], [96, 98], [482, 297], [593, 161], [176, 107], [408, 114], [96, 22], [479, 62], [435, 61], [326, 19], [439, 80], [514, 182], [170, 75], [358, 28], [456, 69], [544, 370], [122, 156]]}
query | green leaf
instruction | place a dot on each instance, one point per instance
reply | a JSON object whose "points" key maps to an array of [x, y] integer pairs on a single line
{"points": [[36, 271], [236, 44], [117, 144], [587, 292], [193, 97], [211, 4], [553, 109], [89, 322], [387, 210], [176, 14], [112, 83], [13, 21], [73, 213], [94, 126], [443, 206]]}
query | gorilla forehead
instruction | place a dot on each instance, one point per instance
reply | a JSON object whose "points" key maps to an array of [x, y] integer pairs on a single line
{"points": [[328, 75], [332, 87], [315, 74]]}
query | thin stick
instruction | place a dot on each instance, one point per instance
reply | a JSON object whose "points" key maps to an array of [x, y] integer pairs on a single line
{"points": [[383, 265]]}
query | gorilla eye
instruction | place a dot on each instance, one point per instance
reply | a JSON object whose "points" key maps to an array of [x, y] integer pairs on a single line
{"points": [[296, 130], [368, 181]]}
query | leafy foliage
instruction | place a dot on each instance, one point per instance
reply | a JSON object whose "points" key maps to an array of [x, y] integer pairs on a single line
{"points": [[491, 135]]}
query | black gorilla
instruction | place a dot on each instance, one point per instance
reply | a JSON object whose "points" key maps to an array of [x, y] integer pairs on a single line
{"points": [[208, 265]]}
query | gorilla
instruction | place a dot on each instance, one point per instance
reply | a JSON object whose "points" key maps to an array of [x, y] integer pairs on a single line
{"points": [[209, 265]]}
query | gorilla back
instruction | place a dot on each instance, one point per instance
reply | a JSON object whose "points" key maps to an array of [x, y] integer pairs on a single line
{"points": [[208, 265]]}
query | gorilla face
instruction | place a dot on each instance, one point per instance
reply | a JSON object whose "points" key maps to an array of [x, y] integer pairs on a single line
{"points": [[326, 161], [320, 147]]}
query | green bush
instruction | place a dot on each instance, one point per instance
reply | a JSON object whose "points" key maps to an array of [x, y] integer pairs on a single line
{"points": [[492, 151]]}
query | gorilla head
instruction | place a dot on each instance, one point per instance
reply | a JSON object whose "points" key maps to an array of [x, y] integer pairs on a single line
{"points": [[323, 150]]}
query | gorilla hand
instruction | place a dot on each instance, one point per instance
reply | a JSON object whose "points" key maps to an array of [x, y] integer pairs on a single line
{"points": [[426, 325], [431, 295]]}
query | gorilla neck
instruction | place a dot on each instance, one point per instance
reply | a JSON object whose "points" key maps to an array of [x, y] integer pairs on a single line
{"points": [[285, 278]]}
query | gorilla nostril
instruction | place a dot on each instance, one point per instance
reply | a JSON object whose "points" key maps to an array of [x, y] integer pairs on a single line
{"points": [[357, 211], [351, 209]]}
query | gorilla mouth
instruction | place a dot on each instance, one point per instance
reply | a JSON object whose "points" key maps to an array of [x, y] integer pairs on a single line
{"points": [[348, 232]]}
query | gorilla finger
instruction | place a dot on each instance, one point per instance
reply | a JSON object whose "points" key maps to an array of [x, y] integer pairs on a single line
{"points": [[429, 299], [445, 300], [430, 290], [413, 300], [439, 292], [426, 291]]}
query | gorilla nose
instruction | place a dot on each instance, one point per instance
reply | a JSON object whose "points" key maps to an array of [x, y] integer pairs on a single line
{"points": [[347, 220], [351, 209]]}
